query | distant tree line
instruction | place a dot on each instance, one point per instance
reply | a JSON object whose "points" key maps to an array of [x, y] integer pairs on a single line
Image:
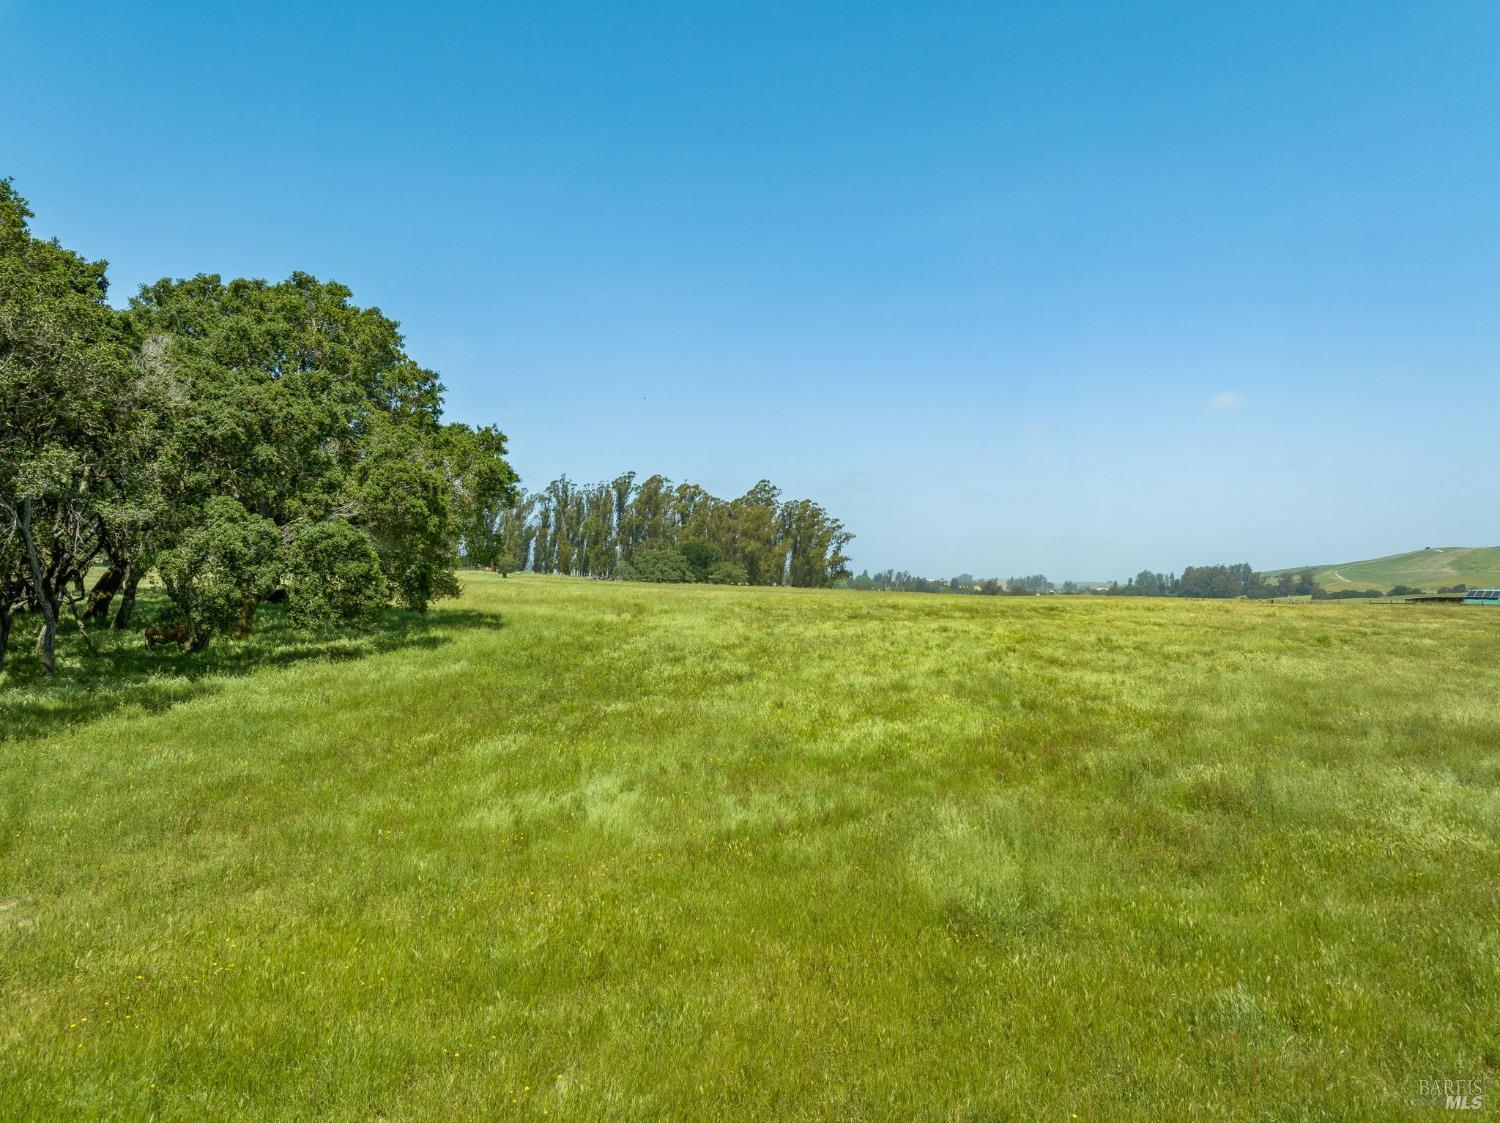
{"points": [[1197, 581], [1229, 581], [900, 581], [1215, 582], [653, 530], [243, 441]]}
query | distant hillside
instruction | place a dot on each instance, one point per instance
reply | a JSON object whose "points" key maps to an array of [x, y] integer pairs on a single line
{"points": [[1423, 569]]}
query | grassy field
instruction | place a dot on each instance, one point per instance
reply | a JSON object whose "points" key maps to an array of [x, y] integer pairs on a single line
{"points": [[592, 851], [1429, 569]]}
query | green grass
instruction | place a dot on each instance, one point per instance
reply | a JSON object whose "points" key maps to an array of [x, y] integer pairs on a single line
{"points": [[1429, 569], [594, 851]]}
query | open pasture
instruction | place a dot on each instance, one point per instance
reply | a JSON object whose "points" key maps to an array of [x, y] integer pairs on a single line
{"points": [[583, 850]]}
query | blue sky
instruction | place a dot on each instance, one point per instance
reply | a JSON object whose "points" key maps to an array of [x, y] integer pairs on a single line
{"points": [[1074, 289]]}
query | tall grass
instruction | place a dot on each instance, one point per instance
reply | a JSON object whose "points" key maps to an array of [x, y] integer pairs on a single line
{"points": [[580, 850]]}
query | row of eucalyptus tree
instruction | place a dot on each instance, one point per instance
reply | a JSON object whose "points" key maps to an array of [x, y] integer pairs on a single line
{"points": [[629, 528]]}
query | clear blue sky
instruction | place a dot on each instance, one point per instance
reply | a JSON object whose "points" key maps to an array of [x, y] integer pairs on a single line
{"points": [[1012, 288]]}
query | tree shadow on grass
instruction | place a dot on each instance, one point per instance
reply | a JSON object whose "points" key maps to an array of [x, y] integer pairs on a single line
{"points": [[121, 673]]}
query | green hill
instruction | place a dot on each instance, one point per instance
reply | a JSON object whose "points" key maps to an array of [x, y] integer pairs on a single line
{"points": [[1428, 569]]}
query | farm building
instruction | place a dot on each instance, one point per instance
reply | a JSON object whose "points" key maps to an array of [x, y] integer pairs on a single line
{"points": [[1473, 596]]}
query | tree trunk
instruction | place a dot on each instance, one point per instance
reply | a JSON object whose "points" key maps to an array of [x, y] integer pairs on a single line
{"points": [[104, 592], [247, 615], [127, 603], [46, 640], [4, 633]]}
